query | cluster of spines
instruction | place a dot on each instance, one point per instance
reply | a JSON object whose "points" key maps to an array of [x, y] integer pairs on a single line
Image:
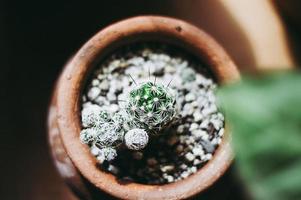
{"points": [[151, 106]]}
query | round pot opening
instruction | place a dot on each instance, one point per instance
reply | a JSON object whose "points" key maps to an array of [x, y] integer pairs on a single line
{"points": [[73, 81]]}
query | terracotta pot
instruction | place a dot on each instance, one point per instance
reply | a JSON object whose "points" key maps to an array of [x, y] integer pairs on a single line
{"points": [[74, 160]]}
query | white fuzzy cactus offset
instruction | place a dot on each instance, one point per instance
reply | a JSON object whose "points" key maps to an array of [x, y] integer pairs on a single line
{"points": [[136, 139], [102, 132]]}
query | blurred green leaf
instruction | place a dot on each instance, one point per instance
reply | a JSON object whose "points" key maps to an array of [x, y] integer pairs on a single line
{"points": [[264, 114]]}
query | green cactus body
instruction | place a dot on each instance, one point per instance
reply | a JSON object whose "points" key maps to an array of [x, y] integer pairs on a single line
{"points": [[151, 106]]}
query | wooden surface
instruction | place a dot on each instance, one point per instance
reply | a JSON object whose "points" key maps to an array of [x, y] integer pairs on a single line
{"points": [[38, 37]]}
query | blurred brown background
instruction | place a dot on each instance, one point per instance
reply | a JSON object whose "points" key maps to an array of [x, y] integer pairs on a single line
{"points": [[37, 37]]}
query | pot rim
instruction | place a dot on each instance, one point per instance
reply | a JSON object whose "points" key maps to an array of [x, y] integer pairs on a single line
{"points": [[72, 81]]}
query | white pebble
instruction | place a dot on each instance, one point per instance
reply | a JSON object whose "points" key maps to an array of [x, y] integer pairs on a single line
{"points": [[204, 124], [113, 169], [218, 124], [104, 85], [187, 110], [185, 174], [193, 169], [198, 151], [189, 140], [87, 104], [199, 133], [101, 158], [179, 148], [100, 100], [170, 69], [216, 141], [183, 166], [190, 97], [209, 109], [94, 150], [193, 126], [198, 116], [93, 93], [101, 76], [170, 179], [208, 156], [221, 132], [114, 63], [197, 162], [136, 61], [180, 129], [113, 108], [189, 156], [111, 96], [205, 137], [167, 168], [200, 80], [194, 104], [95, 82]]}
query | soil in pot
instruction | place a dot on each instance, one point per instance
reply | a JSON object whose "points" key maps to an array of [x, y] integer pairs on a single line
{"points": [[182, 148]]}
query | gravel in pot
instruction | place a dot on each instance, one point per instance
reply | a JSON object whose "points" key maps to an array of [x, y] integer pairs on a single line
{"points": [[179, 149]]}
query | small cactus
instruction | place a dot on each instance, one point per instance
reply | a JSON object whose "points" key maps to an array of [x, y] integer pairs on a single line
{"points": [[136, 139], [151, 107], [102, 132], [108, 135]]}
